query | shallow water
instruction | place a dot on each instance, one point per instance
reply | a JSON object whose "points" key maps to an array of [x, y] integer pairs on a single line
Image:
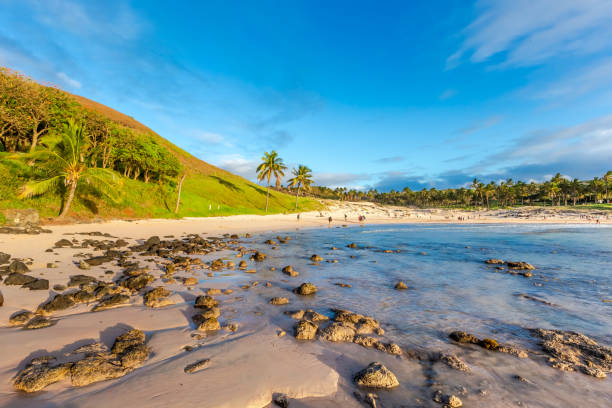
{"points": [[451, 288]]}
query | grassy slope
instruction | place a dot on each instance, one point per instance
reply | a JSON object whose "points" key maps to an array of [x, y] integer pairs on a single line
{"points": [[207, 190]]}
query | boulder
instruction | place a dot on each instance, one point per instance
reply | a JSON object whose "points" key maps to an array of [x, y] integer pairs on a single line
{"points": [[81, 280], [18, 267], [258, 256], [210, 324], [94, 369], [305, 330], [494, 261], [158, 297], [520, 265], [316, 258], [35, 377], [463, 337], [63, 243], [376, 375], [288, 270], [279, 301], [38, 284], [16, 278], [20, 318], [305, 289], [4, 258], [38, 322], [59, 302], [98, 260], [338, 332], [111, 302], [205, 301], [136, 283]]}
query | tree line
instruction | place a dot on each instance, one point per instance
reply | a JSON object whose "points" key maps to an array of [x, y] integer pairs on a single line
{"points": [[556, 191]]}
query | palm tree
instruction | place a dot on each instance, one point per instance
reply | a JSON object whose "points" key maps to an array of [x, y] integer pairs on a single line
{"points": [[62, 161], [607, 177], [271, 165], [302, 177]]}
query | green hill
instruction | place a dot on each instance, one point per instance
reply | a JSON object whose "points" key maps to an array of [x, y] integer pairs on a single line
{"points": [[148, 165]]}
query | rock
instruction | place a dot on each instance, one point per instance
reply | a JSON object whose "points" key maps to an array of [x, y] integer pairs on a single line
{"points": [[343, 285], [111, 302], [520, 265], [98, 260], [452, 401], [205, 301], [230, 327], [35, 377], [63, 243], [38, 284], [494, 261], [258, 256], [84, 296], [316, 258], [352, 245], [51, 265], [305, 289], [136, 283], [206, 314], [280, 400], [81, 280], [59, 302], [38, 322], [305, 330], [512, 350], [128, 339], [18, 267], [59, 287], [94, 369], [20, 318], [489, 344], [210, 324], [454, 362], [190, 281], [463, 337], [308, 314], [16, 278], [288, 270], [21, 217], [197, 366], [279, 301], [242, 264], [401, 285], [572, 351], [4, 258], [134, 355], [376, 375], [338, 332], [84, 265], [158, 297]]}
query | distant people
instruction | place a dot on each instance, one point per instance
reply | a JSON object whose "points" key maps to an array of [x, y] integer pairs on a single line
{"points": [[298, 217], [329, 220], [345, 217]]}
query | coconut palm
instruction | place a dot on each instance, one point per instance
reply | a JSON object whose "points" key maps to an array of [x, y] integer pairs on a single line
{"points": [[607, 178], [271, 165], [302, 177], [62, 162]]}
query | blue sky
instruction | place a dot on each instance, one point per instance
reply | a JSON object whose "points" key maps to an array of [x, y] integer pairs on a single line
{"points": [[368, 94]]}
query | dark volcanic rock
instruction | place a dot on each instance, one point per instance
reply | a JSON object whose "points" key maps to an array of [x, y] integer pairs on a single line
{"points": [[305, 289], [4, 258], [376, 375], [98, 260], [80, 280], [197, 366], [59, 302], [110, 302], [305, 330], [205, 301], [18, 267], [136, 283], [36, 377], [16, 278], [38, 284], [63, 243], [463, 337]]}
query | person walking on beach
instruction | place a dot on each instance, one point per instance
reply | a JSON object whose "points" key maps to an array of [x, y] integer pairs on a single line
{"points": [[345, 217], [298, 217], [329, 220]]}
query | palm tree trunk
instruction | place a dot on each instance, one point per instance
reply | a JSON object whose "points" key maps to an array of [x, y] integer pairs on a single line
{"points": [[178, 198], [296, 197], [268, 194], [68, 200]]}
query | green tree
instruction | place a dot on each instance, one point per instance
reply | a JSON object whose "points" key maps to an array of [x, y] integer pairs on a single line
{"points": [[62, 161], [271, 165], [607, 178], [302, 177]]}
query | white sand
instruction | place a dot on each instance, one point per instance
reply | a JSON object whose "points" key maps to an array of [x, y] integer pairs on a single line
{"points": [[247, 366]]}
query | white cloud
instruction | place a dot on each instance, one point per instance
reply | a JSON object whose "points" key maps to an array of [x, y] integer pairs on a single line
{"points": [[529, 32], [237, 164], [209, 137], [69, 81], [339, 179]]}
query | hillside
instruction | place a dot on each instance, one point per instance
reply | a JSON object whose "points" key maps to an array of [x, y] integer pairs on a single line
{"points": [[207, 190]]}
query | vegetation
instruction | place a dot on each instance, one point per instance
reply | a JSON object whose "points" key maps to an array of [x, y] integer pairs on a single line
{"points": [[302, 178], [41, 121], [271, 165], [556, 191]]}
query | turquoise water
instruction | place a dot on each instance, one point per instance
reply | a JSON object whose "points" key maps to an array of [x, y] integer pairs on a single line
{"points": [[450, 287]]}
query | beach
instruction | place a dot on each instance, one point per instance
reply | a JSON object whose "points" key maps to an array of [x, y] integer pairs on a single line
{"points": [[219, 311]]}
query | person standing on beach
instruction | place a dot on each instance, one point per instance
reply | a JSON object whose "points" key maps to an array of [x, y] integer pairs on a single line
{"points": [[345, 217], [298, 217], [329, 220]]}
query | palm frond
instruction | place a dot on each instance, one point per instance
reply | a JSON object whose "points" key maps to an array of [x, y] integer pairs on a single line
{"points": [[35, 188]]}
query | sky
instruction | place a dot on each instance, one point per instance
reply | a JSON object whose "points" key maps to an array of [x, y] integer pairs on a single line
{"points": [[368, 94]]}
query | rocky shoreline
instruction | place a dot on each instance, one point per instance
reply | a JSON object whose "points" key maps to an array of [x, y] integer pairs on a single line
{"points": [[159, 278]]}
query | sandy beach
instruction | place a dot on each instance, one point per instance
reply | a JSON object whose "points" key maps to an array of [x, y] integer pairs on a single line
{"points": [[250, 358]]}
